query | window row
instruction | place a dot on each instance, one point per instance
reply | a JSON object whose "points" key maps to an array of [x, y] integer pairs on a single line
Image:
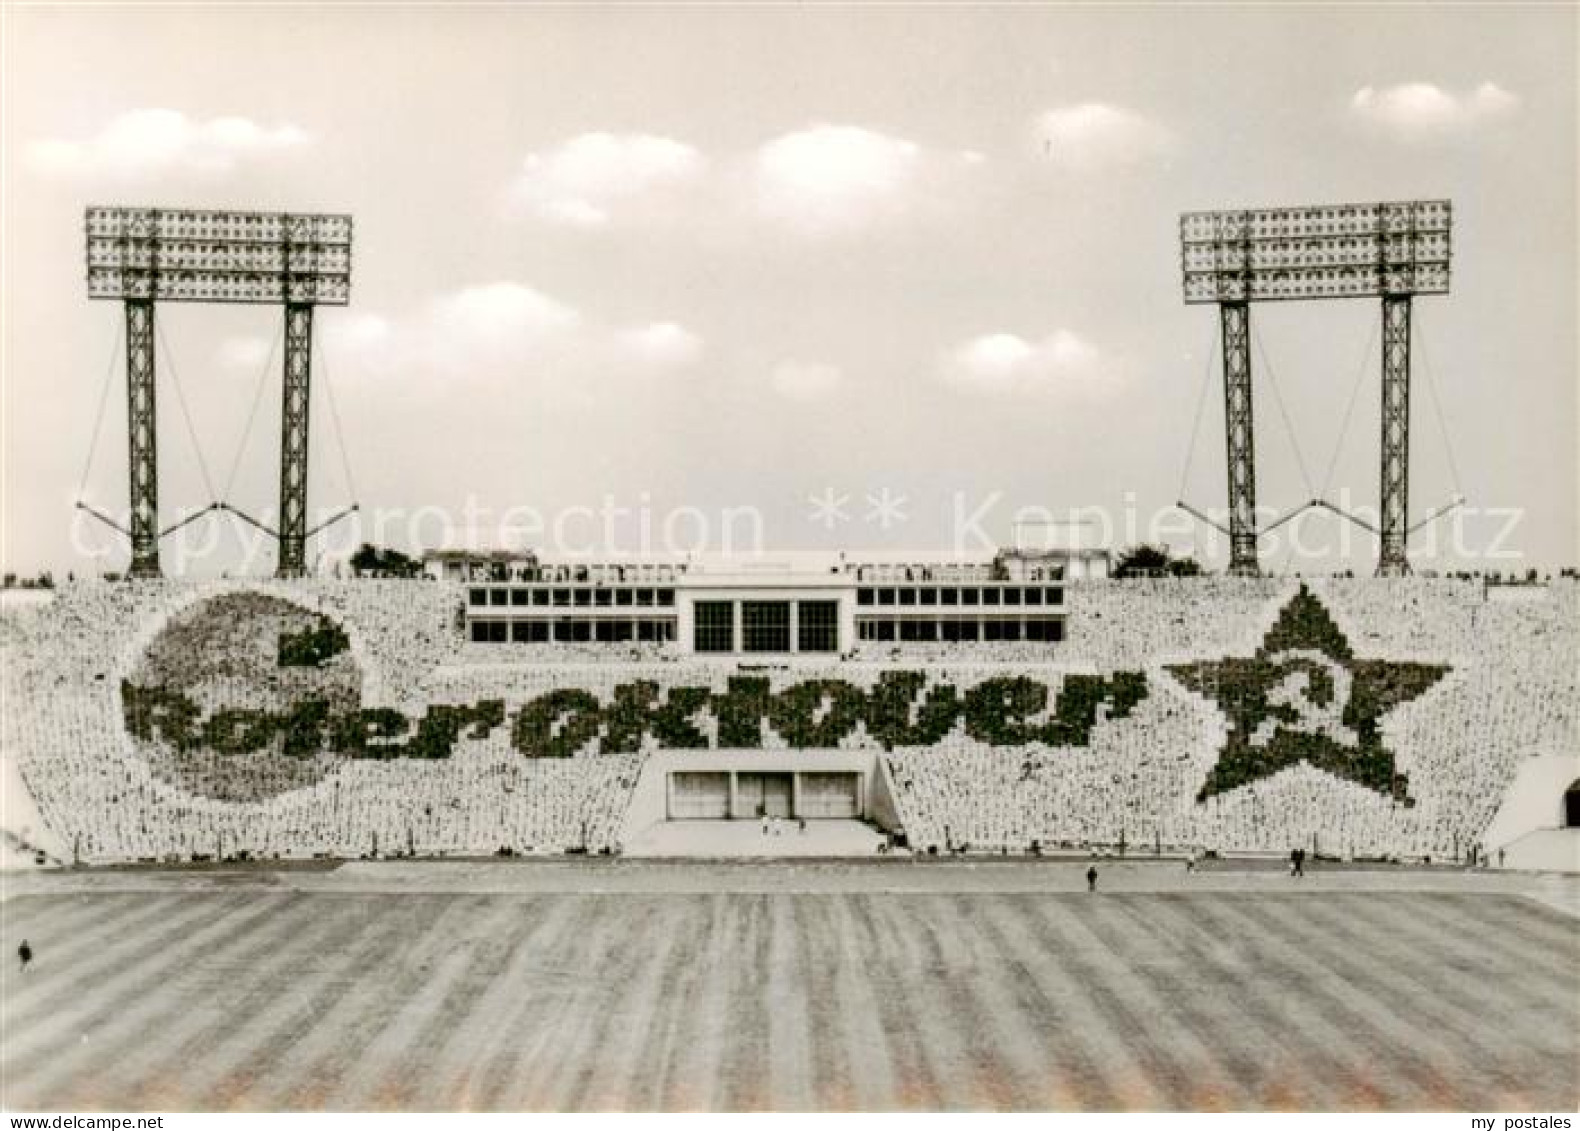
{"points": [[963, 629], [766, 626], [572, 630], [579, 598], [960, 595]]}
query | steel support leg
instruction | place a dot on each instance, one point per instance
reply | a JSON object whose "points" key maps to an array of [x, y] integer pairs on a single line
{"points": [[293, 440], [1239, 436], [142, 438], [1395, 494]]}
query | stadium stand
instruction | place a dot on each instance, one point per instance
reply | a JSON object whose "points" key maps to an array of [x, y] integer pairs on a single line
{"points": [[1461, 686]]}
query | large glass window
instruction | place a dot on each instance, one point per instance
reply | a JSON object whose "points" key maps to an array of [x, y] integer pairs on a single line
{"points": [[817, 626], [765, 626], [714, 630]]}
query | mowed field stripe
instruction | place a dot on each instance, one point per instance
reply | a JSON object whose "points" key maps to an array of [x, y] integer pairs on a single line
{"points": [[610, 1015], [630, 1076], [792, 1080], [695, 1027], [399, 1053], [1044, 983], [1449, 1004], [240, 1056], [1319, 1008], [816, 956], [64, 927], [947, 1025], [483, 1059], [698, 1083], [98, 950], [843, 993], [174, 1028], [1024, 1074], [1459, 1060], [743, 1060], [1121, 1053], [978, 1046], [1405, 1058], [305, 1065], [657, 1082], [109, 1007], [354, 1040], [1532, 936], [569, 986], [1132, 947], [482, 1021], [1170, 1055], [246, 984], [1272, 1060], [1465, 1015], [891, 966], [1032, 1022]]}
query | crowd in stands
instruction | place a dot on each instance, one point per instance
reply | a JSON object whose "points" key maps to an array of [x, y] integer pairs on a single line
{"points": [[1511, 691]]}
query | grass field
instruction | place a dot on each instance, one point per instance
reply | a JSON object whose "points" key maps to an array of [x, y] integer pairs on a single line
{"points": [[283, 999]]}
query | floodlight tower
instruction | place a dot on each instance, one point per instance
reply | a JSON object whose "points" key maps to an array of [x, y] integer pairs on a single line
{"points": [[144, 255], [1393, 250]]}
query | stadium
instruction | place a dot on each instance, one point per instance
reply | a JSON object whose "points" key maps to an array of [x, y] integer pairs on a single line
{"points": [[1024, 828], [929, 798]]}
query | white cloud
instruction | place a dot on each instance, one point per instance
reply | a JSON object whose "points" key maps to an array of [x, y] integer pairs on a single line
{"points": [[503, 320], [806, 381], [1063, 362], [586, 181], [151, 143], [1094, 136], [660, 345], [1420, 109], [825, 179], [832, 177], [506, 334]]}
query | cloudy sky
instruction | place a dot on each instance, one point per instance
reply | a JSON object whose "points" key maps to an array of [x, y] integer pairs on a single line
{"points": [[885, 276]]}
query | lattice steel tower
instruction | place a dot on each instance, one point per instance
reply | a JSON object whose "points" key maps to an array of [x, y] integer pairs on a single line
{"points": [[1392, 250], [146, 255]]}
